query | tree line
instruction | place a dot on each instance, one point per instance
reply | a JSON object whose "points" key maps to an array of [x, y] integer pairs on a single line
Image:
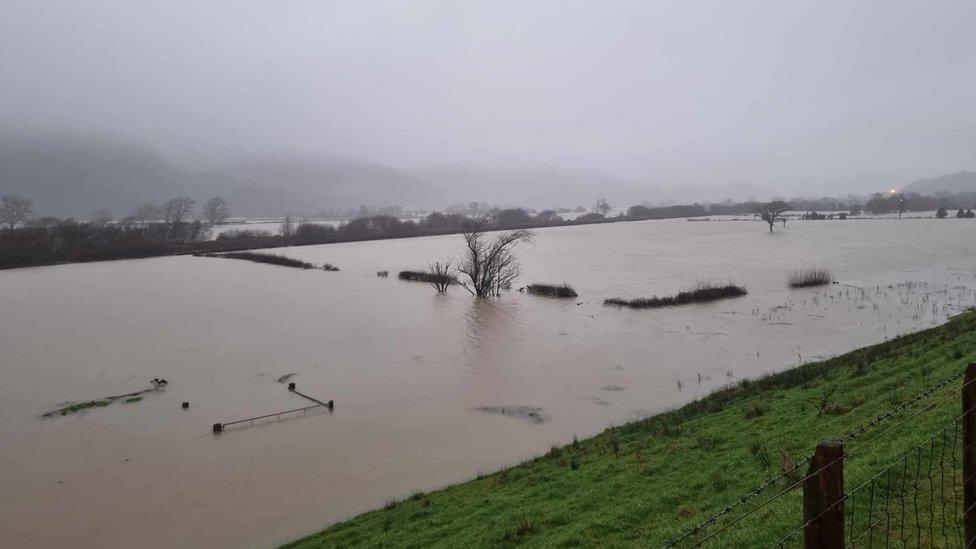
{"points": [[151, 230], [170, 228]]}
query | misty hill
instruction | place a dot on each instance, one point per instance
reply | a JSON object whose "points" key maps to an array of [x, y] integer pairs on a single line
{"points": [[310, 185], [77, 175], [68, 176], [952, 183], [529, 186]]}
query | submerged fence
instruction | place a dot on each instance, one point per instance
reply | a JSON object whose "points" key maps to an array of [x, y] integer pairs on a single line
{"points": [[925, 497], [319, 404]]}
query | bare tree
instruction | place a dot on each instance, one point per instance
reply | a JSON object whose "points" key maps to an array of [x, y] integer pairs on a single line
{"points": [[602, 207], [174, 213], [145, 213], [490, 265], [14, 210], [216, 210], [771, 212], [441, 275], [176, 210], [287, 226]]}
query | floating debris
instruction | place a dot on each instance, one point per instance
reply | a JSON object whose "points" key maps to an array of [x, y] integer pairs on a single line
{"points": [[286, 377], [130, 398], [530, 413]]}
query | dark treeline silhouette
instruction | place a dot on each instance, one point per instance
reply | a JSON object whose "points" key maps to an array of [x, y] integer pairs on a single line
{"points": [[166, 230], [67, 241], [880, 203]]}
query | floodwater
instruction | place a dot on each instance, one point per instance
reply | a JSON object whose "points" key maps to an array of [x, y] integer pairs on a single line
{"points": [[408, 369]]}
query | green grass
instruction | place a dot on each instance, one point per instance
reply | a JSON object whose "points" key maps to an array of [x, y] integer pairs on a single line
{"points": [[640, 484], [75, 408]]}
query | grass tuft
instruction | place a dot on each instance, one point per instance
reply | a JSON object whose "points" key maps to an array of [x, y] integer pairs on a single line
{"points": [[810, 276], [551, 290]]}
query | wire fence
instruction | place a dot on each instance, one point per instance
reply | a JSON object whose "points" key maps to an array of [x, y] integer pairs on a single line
{"points": [[913, 499]]}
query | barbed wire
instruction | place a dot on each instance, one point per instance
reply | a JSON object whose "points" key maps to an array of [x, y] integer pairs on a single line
{"points": [[851, 434], [904, 461]]}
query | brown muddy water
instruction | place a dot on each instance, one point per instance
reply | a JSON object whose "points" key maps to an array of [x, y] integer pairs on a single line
{"points": [[428, 388]]}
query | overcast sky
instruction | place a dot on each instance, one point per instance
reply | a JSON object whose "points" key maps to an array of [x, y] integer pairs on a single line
{"points": [[775, 93]]}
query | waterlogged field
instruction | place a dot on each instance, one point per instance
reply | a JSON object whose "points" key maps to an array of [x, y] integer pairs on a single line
{"points": [[429, 389]]}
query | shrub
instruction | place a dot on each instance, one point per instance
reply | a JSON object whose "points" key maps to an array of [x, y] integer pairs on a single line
{"points": [[810, 276], [382, 274], [330, 267], [551, 290], [423, 276], [704, 291]]}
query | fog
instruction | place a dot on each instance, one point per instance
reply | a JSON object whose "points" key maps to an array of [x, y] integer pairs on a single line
{"points": [[787, 97]]}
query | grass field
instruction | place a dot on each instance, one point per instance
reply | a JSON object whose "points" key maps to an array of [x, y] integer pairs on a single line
{"points": [[643, 483]]}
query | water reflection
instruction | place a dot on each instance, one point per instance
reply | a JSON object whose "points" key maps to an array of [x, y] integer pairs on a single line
{"points": [[493, 335]]}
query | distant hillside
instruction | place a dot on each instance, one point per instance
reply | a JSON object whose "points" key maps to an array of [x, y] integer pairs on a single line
{"points": [[960, 182], [310, 185], [78, 175], [529, 186], [72, 176]]}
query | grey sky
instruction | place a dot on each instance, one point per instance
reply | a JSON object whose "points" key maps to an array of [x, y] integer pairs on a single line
{"points": [[777, 93]]}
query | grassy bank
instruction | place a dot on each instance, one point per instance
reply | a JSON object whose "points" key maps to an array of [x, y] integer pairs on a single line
{"points": [[643, 483]]}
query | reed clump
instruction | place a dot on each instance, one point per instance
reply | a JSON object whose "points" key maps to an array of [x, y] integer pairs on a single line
{"points": [[551, 290], [810, 276], [703, 292], [271, 259]]}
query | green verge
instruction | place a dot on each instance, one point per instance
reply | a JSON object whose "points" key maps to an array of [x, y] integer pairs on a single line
{"points": [[643, 483]]}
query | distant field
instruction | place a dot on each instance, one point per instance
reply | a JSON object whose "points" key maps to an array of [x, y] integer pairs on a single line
{"points": [[643, 483]]}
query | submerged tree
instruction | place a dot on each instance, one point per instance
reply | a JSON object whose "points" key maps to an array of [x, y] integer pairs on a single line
{"points": [[14, 210], [490, 264], [441, 275], [602, 207], [771, 212]]}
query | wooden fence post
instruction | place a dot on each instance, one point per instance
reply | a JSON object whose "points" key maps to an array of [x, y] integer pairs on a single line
{"points": [[969, 453], [823, 498]]}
